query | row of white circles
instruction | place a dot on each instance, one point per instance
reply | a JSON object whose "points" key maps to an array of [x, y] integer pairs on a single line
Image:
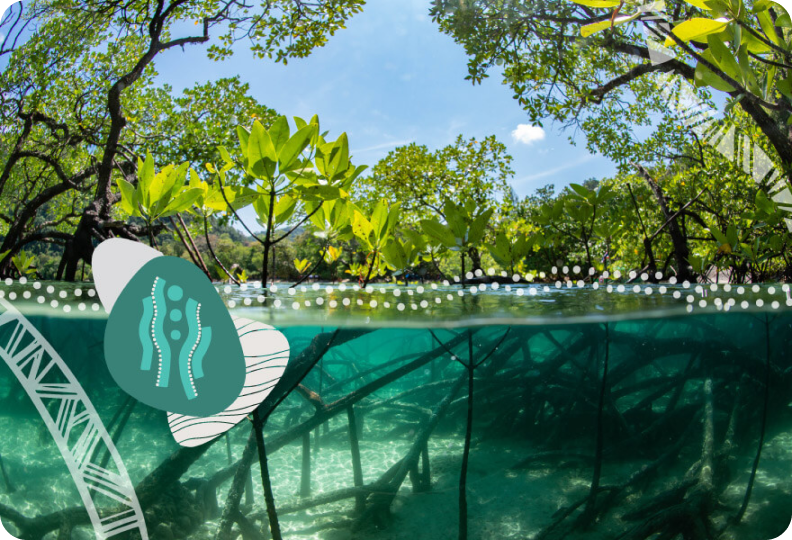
{"points": [[277, 303]]}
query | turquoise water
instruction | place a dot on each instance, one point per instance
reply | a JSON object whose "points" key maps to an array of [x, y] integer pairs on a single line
{"points": [[669, 440]]}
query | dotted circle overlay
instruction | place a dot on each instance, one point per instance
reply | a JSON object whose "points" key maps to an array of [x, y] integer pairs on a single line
{"points": [[723, 297]]}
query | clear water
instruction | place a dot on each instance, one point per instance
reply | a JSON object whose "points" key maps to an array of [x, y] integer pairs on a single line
{"points": [[539, 410]]}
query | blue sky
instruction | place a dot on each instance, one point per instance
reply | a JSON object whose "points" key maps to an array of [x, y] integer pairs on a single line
{"points": [[391, 78]]}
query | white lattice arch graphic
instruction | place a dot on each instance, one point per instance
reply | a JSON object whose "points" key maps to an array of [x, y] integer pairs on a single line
{"points": [[73, 423]]}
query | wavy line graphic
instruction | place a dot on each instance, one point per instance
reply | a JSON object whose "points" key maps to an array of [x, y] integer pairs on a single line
{"points": [[158, 332], [143, 334]]}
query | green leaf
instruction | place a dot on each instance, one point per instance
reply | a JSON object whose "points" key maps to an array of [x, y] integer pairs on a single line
{"points": [[297, 143], [129, 203], [394, 255], [438, 232], [695, 29], [261, 153], [182, 202], [279, 133]]}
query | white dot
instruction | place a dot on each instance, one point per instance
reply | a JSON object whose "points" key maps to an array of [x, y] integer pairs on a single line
{"points": [[22, 280], [633, 274], [490, 271], [36, 285], [9, 282], [775, 304], [759, 302], [620, 288], [520, 292], [50, 288], [328, 289], [292, 291], [342, 287], [644, 276], [437, 300], [231, 304], [516, 278], [12, 296], [677, 294], [672, 280], [554, 270], [479, 273], [532, 291], [373, 303], [424, 304], [690, 298], [26, 294], [333, 304], [755, 288], [648, 291], [91, 293], [77, 292], [319, 301], [658, 275], [434, 287], [595, 285], [95, 307], [261, 298], [396, 292], [576, 269], [54, 303], [315, 286], [740, 290], [686, 284], [40, 299], [295, 305], [616, 274], [81, 307], [419, 290], [744, 304], [346, 301], [359, 302], [689, 308], [307, 303], [473, 290], [565, 269], [636, 288], [699, 289], [702, 303], [62, 294], [609, 288], [469, 275], [273, 288], [227, 289], [714, 287], [558, 284], [248, 301], [243, 286], [495, 286], [727, 287], [386, 304], [663, 289], [66, 308], [771, 290], [400, 306], [277, 303], [507, 288]]}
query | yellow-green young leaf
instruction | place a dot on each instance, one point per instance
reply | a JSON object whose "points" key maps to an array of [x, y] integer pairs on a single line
{"points": [[598, 3], [593, 28], [767, 26], [128, 198], [361, 227], [301, 265], [695, 29], [182, 202], [701, 4]]}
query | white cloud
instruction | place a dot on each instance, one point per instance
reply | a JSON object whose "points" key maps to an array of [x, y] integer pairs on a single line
{"points": [[528, 134], [554, 170]]}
